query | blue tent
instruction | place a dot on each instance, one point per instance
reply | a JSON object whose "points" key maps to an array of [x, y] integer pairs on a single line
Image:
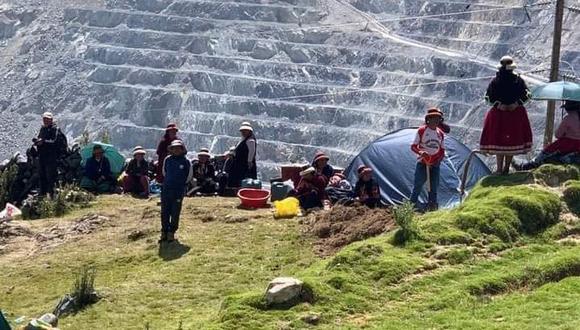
{"points": [[394, 163]]}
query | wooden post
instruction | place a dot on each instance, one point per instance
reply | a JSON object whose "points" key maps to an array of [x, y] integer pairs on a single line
{"points": [[555, 69]]}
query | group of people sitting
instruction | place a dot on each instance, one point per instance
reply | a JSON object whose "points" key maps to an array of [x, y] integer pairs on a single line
{"points": [[320, 185], [208, 176]]}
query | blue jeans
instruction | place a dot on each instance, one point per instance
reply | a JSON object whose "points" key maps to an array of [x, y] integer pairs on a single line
{"points": [[421, 178], [171, 201]]}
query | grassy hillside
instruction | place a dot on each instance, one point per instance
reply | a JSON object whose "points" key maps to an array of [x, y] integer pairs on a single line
{"points": [[508, 258]]}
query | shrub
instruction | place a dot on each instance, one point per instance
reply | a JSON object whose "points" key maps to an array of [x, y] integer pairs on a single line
{"points": [[83, 291], [572, 196], [555, 175], [404, 215], [67, 199], [7, 178]]}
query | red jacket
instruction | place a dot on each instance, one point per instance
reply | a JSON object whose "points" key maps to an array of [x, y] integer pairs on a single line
{"points": [[317, 184], [420, 144]]}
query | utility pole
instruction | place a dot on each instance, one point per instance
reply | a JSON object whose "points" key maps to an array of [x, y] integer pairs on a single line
{"points": [[555, 69]]}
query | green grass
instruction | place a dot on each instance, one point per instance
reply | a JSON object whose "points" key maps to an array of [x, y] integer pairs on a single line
{"points": [[572, 195], [499, 261]]}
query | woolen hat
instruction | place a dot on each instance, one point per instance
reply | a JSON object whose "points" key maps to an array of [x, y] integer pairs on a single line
{"points": [[320, 156], [47, 115], [307, 171]]}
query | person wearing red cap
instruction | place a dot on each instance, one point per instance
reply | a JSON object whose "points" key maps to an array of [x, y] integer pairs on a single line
{"points": [[428, 145], [367, 190], [506, 129], [162, 148], [320, 164], [442, 126]]}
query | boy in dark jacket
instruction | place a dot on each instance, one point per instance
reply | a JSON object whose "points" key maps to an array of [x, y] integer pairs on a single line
{"points": [[97, 175], [176, 172]]}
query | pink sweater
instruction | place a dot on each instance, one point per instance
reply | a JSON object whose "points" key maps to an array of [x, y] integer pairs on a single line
{"points": [[570, 126]]}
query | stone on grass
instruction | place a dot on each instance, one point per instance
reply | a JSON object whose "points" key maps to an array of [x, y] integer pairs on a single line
{"points": [[50, 319], [284, 291], [311, 318]]}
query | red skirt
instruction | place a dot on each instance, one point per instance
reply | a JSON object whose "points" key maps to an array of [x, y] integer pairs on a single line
{"points": [[506, 132], [563, 146]]}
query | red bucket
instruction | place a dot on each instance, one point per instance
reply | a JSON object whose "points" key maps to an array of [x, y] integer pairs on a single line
{"points": [[253, 198]]}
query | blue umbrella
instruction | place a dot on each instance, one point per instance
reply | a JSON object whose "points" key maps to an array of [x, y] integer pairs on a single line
{"points": [[558, 90]]}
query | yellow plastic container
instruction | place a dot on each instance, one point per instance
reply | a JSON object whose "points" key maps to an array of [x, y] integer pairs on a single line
{"points": [[286, 208]]}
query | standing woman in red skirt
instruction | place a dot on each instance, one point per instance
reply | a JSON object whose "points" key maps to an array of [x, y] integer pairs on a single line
{"points": [[506, 130]]}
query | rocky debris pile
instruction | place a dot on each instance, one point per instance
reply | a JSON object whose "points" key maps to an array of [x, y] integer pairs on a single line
{"points": [[83, 226], [343, 225], [285, 292], [8, 230]]}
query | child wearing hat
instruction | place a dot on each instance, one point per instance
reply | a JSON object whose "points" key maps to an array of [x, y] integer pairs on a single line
{"points": [[177, 173], [367, 189], [204, 174], [136, 180], [428, 145]]}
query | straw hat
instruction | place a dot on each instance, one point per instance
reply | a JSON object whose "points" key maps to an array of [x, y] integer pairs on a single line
{"points": [[47, 115], [177, 143], [246, 126], [307, 171], [434, 112], [203, 153], [507, 62], [139, 150]]}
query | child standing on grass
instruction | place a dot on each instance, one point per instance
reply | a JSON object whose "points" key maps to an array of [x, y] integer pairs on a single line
{"points": [[176, 172], [428, 145]]}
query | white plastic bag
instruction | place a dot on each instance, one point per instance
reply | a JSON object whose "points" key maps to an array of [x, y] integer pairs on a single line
{"points": [[10, 212]]}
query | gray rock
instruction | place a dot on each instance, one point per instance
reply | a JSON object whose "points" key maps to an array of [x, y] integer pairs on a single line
{"points": [[311, 318], [50, 319], [284, 290]]}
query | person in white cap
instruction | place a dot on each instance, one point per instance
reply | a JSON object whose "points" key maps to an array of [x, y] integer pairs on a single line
{"points": [[136, 181], [49, 145], [506, 129], [204, 174], [177, 173], [244, 161]]}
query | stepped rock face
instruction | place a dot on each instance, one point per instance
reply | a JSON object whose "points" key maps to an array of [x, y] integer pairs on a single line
{"points": [[131, 66]]}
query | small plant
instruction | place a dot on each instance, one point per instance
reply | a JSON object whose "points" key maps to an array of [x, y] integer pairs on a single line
{"points": [[68, 198], [105, 137], [84, 288], [404, 215], [85, 138], [7, 178]]}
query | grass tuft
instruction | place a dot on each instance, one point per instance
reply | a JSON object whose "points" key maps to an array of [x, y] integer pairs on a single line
{"points": [[404, 217], [571, 195], [555, 175]]}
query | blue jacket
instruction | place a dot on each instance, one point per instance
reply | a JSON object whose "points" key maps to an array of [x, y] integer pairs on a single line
{"points": [[95, 169], [177, 172]]}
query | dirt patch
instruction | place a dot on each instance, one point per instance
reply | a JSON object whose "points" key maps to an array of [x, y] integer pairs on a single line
{"points": [[8, 231], [343, 225], [83, 226]]}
